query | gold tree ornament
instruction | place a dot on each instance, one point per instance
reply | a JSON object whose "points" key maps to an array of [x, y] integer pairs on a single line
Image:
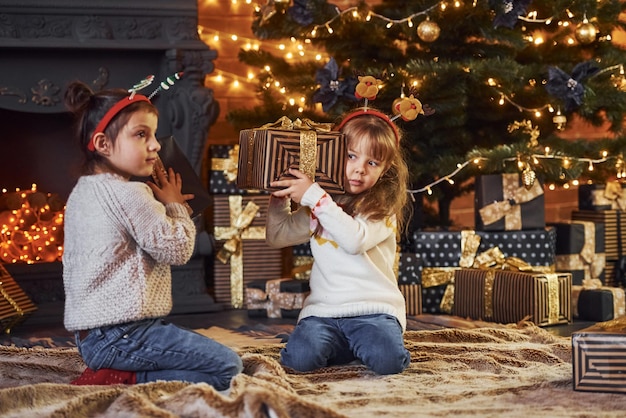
{"points": [[560, 120], [428, 31], [586, 32], [528, 177]]}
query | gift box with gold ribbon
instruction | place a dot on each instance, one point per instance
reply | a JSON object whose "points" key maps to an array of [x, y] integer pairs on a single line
{"points": [[15, 305], [504, 203], [277, 298], [592, 301], [598, 354], [508, 296], [223, 172], [242, 254], [599, 196], [614, 222], [267, 153], [580, 250]]}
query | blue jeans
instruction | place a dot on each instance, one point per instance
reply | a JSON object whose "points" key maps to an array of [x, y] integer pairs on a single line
{"points": [[375, 340], [157, 350]]}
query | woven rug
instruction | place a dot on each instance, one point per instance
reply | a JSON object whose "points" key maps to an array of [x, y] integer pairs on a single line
{"points": [[509, 371]]}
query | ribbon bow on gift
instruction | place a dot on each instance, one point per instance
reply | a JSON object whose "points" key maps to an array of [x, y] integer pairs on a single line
{"points": [[509, 208], [227, 165], [234, 233], [613, 191], [300, 124]]}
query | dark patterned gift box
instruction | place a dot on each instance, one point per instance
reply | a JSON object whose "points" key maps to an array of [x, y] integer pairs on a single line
{"points": [[580, 250], [503, 203], [611, 195], [594, 302], [409, 282], [242, 254], [441, 252], [223, 173], [598, 357], [266, 154], [277, 298], [511, 296]]}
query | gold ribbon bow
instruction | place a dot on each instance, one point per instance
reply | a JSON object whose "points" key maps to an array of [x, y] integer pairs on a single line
{"points": [[273, 300], [613, 192], [227, 165], [308, 140], [510, 207], [239, 229]]}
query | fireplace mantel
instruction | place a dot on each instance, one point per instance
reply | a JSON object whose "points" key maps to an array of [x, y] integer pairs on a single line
{"points": [[45, 45]]}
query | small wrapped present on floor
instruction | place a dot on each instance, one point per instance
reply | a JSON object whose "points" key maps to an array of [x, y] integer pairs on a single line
{"points": [[592, 301], [507, 296], [598, 354], [267, 153], [503, 203], [580, 250], [15, 305], [277, 298]]}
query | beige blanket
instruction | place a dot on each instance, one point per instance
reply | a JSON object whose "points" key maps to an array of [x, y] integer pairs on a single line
{"points": [[517, 371]]}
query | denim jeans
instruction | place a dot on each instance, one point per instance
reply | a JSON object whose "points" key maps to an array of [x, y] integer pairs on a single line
{"points": [[375, 340], [157, 350]]}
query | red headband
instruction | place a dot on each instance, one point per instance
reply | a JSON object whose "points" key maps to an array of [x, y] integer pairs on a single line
{"points": [[111, 113], [372, 112]]}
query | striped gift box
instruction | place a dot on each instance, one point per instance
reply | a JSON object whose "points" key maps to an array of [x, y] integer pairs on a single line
{"points": [[266, 155], [15, 305], [599, 357], [614, 229], [255, 260], [413, 298], [505, 296]]}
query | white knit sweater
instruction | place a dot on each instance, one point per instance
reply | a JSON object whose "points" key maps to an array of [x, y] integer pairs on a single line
{"points": [[353, 272], [119, 245]]}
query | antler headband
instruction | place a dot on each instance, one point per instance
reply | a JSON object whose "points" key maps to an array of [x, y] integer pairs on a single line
{"points": [[408, 108], [133, 97]]}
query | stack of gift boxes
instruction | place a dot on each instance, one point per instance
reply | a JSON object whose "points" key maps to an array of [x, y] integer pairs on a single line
{"points": [[248, 273]]}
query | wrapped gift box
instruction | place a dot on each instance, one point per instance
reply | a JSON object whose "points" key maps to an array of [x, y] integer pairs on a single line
{"points": [[598, 304], [15, 305], [267, 153], [242, 254], [503, 203], [598, 196], [598, 354], [277, 298], [442, 251], [580, 250], [223, 173], [511, 296], [409, 282]]}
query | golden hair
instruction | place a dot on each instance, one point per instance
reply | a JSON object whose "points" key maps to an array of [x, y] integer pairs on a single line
{"points": [[389, 195]]}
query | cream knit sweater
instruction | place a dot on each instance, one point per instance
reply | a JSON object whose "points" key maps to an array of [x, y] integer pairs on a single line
{"points": [[119, 245], [353, 272]]}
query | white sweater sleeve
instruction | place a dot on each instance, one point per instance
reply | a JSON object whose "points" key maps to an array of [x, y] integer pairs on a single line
{"points": [[355, 235]]}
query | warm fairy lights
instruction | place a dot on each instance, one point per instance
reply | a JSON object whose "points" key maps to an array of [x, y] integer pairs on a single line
{"points": [[31, 226]]}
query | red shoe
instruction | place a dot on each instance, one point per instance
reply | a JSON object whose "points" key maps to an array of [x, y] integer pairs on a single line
{"points": [[105, 377]]}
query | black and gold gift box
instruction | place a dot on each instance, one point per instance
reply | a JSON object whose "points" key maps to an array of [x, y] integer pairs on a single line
{"points": [[409, 282], [598, 196], [266, 154], [593, 302], [599, 357], [503, 203], [15, 305], [511, 296], [223, 172], [277, 298], [242, 254], [580, 250]]}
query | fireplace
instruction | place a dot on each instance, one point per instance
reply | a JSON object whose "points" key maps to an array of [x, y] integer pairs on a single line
{"points": [[105, 44]]}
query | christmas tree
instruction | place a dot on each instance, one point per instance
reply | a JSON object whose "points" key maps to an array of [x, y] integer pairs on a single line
{"points": [[499, 80]]}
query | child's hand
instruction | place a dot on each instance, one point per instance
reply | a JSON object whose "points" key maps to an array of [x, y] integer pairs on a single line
{"points": [[293, 188], [168, 188]]}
